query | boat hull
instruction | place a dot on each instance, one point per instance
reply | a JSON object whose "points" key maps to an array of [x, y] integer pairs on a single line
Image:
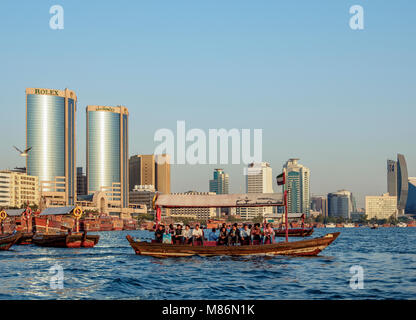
{"points": [[6, 241], [26, 238], [310, 247], [65, 241]]}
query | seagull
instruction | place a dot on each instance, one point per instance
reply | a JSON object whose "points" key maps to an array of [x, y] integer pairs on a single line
{"points": [[23, 153]]}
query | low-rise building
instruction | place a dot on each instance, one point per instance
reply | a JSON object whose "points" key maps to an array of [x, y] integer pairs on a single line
{"points": [[193, 213], [18, 189], [381, 207]]}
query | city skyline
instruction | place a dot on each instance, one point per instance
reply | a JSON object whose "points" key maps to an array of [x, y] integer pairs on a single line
{"points": [[342, 86]]}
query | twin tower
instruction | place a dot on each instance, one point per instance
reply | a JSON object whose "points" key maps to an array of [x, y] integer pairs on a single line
{"points": [[51, 133]]}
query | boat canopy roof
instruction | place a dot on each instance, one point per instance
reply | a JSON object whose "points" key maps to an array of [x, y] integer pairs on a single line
{"points": [[15, 212], [181, 200], [57, 211]]}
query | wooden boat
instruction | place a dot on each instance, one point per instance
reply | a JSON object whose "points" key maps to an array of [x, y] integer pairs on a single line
{"points": [[310, 247], [6, 241], [74, 240], [294, 232], [26, 238]]}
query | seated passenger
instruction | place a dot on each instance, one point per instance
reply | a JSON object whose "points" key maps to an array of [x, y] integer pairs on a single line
{"points": [[197, 235], [256, 233], [245, 236], [233, 235], [268, 234], [187, 234], [213, 235], [179, 232], [160, 231], [223, 237]]}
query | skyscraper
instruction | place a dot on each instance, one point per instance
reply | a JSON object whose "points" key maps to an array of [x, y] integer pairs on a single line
{"points": [[162, 172], [402, 184], [50, 132], [297, 184], [319, 203], [150, 170], [259, 179], [107, 151], [392, 177], [220, 183], [341, 204]]}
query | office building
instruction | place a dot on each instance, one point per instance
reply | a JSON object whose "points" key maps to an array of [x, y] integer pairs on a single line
{"points": [[107, 152], [402, 184], [17, 189], [153, 170], [381, 207], [259, 179], [341, 204], [411, 198], [82, 188], [220, 183], [143, 194], [162, 173], [297, 186], [50, 132], [320, 204], [392, 177]]}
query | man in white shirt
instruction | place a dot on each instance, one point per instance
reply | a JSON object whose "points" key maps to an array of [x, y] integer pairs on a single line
{"points": [[197, 235]]}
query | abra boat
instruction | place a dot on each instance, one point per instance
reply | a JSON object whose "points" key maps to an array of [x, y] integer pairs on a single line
{"points": [[6, 241], [75, 240], [26, 238], [294, 232], [309, 247]]}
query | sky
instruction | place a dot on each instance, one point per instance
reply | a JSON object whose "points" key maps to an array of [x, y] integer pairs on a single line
{"points": [[341, 100]]}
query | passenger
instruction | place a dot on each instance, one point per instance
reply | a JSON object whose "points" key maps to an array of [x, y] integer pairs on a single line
{"points": [[213, 235], [233, 235], [179, 232], [268, 234], [171, 229], [160, 231], [187, 235], [197, 235], [256, 233], [224, 225], [238, 230], [223, 237], [245, 236]]}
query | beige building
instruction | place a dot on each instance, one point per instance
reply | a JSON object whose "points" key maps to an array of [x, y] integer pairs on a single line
{"points": [[18, 189], [259, 179], [150, 170], [381, 207], [200, 214]]}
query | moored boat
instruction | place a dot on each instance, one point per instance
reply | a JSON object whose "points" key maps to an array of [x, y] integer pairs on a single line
{"points": [[75, 240], [26, 238], [310, 247], [6, 241], [299, 232], [330, 225]]}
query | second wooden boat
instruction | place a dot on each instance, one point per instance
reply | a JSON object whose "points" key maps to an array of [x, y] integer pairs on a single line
{"points": [[76, 240], [294, 232], [26, 238], [6, 241], [310, 247]]}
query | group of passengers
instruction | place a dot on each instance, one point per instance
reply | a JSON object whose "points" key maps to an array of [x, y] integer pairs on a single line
{"points": [[233, 235]]}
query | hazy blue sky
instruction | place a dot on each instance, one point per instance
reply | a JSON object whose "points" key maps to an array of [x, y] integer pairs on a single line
{"points": [[342, 101]]}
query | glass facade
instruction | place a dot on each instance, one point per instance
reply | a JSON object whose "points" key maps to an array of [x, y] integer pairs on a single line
{"points": [[50, 125], [107, 152], [103, 149]]}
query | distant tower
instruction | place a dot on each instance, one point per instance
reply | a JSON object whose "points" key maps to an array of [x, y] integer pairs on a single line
{"points": [[297, 184], [402, 184], [50, 132], [107, 151], [392, 177], [220, 183]]}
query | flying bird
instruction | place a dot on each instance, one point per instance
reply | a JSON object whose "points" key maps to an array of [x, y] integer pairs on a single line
{"points": [[23, 153]]}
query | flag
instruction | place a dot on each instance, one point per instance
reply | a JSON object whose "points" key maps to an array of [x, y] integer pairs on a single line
{"points": [[280, 179]]}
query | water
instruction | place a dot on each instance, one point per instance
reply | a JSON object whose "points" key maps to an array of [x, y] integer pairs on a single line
{"points": [[111, 270]]}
